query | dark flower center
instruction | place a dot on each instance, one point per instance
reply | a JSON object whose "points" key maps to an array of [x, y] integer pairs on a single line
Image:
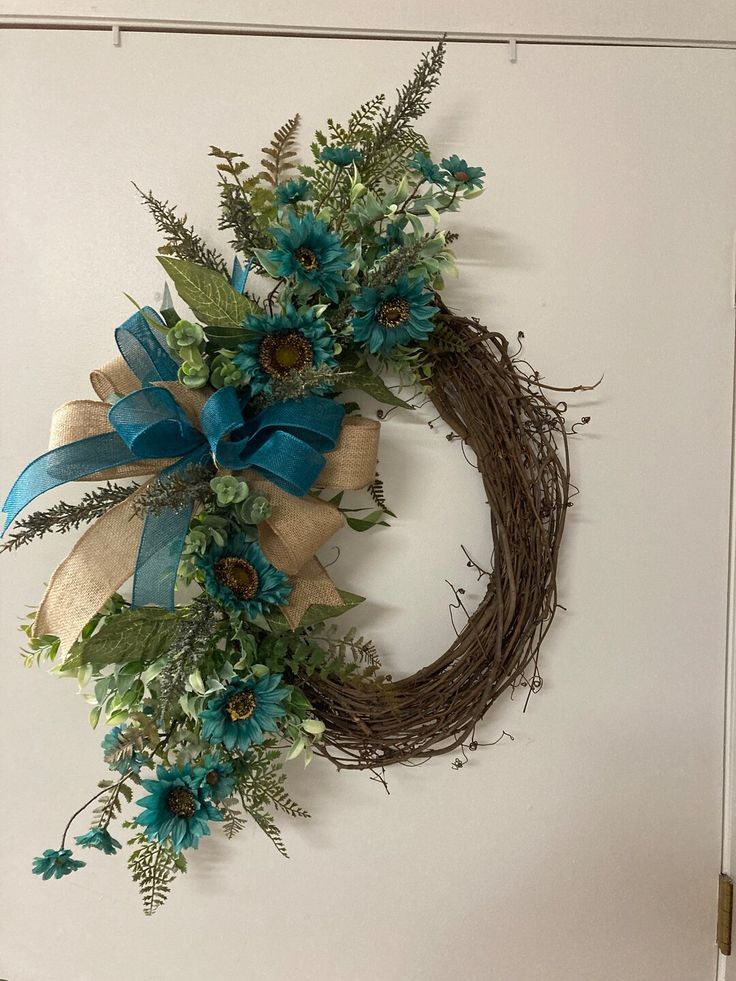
{"points": [[181, 802], [306, 259], [460, 175], [280, 354], [212, 778], [241, 706], [393, 313], [238, 575]]}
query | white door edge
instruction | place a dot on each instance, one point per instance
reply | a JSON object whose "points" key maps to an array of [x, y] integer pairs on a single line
{"points": [[728, 847]]}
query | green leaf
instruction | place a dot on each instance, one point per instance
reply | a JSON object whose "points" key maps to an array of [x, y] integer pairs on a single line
{"points": [[208, 293], [370, 520], [228, 337], [268, 265], [367, 381], [171, 317], [317, 613], [141, 635]]}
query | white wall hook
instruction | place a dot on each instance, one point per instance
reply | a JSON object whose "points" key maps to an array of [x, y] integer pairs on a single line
{"points": [[512, 51], [116, 35]]}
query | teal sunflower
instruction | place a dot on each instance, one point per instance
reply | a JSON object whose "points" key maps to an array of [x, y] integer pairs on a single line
{"points": [[56, 863], [217, 777], [430, 171], [293, 191], [238, 575], [239, 716], [309, 252], [340, 156], [99, 838], [397, 314], [461, 173], [176, 807], [286, 342]]}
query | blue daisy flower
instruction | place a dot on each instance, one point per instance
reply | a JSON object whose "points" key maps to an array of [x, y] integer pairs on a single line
{"points": [[176, 807], [56, 863], [293, 191], [239, 716], [99, 838], [429, 170], [310, 252], [396, 314], [461, 173], [127, 764], [340, 156], [238, 575], [217, 777], [284, 343]]}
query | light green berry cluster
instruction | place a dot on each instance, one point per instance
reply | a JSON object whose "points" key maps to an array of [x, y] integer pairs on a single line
{"points": [[228, 490], [246, 507], [224, 372], [186, 339]]}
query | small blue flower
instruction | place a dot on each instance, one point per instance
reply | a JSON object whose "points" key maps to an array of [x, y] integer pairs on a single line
{"points": [[99, 838], [461, 173], [284, 343], [127, 764], [217, 780], [340, 156], [56, 864], [396, 314], [392, 238], [176, 807], [429, 170], [310, 252], [238, 575], [293, 191], [239, 716]]}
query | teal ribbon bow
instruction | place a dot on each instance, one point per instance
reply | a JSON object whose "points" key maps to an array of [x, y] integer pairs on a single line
{"points": [[286, 442]]}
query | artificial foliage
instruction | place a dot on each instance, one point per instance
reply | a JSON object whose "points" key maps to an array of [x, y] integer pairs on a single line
{"points": [[231, 448]]}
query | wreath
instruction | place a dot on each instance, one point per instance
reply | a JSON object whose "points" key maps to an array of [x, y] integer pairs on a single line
{"points": [[235, 421]]}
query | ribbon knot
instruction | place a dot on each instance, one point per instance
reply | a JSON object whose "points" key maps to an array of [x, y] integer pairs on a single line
{"points": [[152, 425]]}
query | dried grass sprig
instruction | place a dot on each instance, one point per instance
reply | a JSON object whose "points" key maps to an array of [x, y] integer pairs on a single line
{"points": [[63, 517]]}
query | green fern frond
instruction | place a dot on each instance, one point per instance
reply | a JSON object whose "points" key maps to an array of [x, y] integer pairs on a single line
{"points": [[279, 154], [360, 123], [109, 805], [153, 866], [443, 340], [234, 821], [266, 823]]}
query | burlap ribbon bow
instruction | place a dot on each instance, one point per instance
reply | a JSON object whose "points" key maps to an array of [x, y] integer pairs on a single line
{"points": [[105, 556]]}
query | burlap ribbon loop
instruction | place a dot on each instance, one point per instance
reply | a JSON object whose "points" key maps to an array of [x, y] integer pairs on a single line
{"points": [[105, 556]]}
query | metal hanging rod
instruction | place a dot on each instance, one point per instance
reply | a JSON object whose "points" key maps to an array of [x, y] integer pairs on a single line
{"points": [[144, 26]]}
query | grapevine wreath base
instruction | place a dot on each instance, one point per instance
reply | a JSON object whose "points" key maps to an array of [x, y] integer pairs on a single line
{"points": [[519, 439], [240, 423]]}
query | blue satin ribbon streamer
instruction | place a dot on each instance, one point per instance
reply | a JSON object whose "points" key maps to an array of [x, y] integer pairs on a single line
{"points": [[286, 442], [239, 276]]}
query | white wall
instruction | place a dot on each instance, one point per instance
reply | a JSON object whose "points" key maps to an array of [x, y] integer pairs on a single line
{"points": [[586, 849]]}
